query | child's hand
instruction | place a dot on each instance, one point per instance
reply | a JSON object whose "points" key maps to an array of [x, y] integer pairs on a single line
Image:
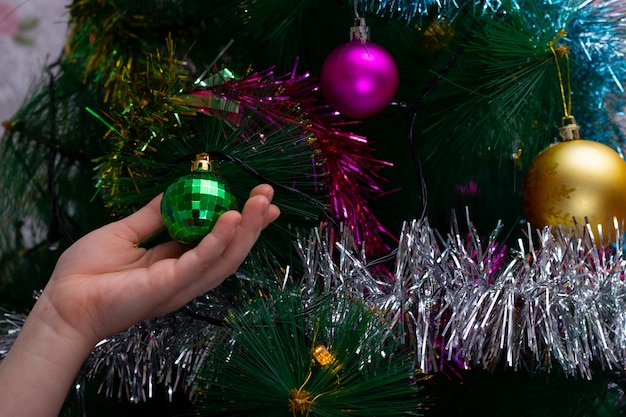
{"points": [[104, 283]]}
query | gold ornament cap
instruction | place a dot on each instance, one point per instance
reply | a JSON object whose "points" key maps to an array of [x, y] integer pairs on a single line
{"points": [[569, 129], [202, 163]]}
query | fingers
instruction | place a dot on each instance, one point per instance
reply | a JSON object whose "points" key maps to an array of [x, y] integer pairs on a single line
{"points": [[173, 249], [267, 191], [221, 252], [146, 221], [253, 221], [263, 189], [256, 215]]}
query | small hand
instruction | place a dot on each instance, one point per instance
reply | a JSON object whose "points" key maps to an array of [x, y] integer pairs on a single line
{"points": [[104, 283]]}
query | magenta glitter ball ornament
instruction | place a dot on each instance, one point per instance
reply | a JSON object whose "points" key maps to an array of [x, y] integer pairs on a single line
{"points": [[359, 79]]}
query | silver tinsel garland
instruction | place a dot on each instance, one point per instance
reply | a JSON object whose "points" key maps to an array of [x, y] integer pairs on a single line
{"points": [[165, 352], [482, 305], [161, 354], [10, 325]]}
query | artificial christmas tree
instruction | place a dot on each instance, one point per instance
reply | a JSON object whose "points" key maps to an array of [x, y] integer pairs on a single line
{"points": [[402, 277]]}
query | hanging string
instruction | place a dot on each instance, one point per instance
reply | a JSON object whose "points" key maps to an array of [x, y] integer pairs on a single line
{"points": [[562, 51], [569, 129]]}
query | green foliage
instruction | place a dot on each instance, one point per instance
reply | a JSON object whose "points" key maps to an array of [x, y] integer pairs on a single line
{"points": [[46, 167], [266, 361]]}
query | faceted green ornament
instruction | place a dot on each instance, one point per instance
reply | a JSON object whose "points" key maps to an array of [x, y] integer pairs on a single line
{"points": [[192, 204]]}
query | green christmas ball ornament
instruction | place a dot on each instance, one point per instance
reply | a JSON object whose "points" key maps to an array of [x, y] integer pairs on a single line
{"points": [[192, 204]]}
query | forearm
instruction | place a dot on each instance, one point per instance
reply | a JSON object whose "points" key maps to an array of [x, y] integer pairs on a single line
{"points": [[40, 367]]}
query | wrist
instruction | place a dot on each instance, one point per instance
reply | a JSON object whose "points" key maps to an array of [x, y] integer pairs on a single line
{"points": [[45, 350], [47, 324]]}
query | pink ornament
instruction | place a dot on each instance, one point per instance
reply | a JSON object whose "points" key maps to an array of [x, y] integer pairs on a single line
{"points": [[359, 79]]}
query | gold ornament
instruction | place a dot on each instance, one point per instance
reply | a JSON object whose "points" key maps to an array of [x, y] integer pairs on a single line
{"points": [[576, 179]]}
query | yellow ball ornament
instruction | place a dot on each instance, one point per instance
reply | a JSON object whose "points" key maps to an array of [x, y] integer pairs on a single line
{"points": [[576, 179]]}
